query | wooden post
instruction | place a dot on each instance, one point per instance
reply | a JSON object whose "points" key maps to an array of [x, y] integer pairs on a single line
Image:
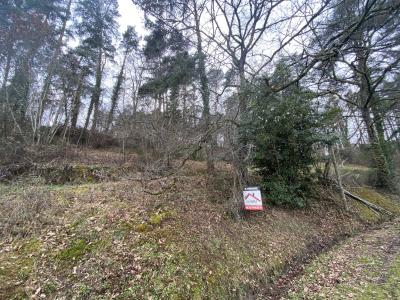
{"points": [[338, 178]]}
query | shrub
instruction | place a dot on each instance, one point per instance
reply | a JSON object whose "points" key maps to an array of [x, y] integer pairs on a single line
{"points": [[285, 128], [280, 193]]}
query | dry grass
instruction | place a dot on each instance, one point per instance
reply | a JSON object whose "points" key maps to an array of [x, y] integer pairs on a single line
{"points": [[363, 267], [26, 212], [356, 175], [112, 239]]}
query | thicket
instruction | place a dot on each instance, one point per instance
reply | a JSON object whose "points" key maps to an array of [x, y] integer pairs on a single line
{"points": [[285, 130]]}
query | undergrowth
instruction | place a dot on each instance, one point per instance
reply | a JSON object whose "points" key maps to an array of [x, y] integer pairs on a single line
{"points": [[111, 239]]}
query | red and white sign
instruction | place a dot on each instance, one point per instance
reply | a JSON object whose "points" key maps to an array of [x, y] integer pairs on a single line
{"points": [[252, 199]]}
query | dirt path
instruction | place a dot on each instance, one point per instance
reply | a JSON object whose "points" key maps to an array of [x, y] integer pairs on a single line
{"points": [[363, 267]]}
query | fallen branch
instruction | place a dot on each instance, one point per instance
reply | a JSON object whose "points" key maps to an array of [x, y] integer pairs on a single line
{"points": [[368, 204]]}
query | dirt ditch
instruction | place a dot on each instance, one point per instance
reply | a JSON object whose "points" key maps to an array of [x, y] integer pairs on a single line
{"points": [[279, 286]]}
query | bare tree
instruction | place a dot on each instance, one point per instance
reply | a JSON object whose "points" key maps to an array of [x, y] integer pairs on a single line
{"points": [[187, 15], [43, 98], [357, 74]]}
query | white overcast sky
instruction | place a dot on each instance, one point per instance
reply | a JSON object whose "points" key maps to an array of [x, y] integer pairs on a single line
{"points": [[130, 15]]}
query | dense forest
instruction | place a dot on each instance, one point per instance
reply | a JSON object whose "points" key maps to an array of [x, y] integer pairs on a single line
{"points": [[269, 83], [298, 97]]}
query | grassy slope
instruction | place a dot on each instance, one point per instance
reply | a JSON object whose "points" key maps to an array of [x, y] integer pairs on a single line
{"points": [[368, 215], [115, 239], [364, 267]]}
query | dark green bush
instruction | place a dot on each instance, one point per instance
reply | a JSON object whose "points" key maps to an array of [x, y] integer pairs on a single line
{"points": [[285, 129], [280, 193]]}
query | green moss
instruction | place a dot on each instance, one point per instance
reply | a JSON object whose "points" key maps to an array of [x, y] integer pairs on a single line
{"points": [[378, 199], [26, 258], [125, 228], [16, 267], [159, 217], [75, 251], [143, 227], [32, 246], [155, 219], [366, 214]]}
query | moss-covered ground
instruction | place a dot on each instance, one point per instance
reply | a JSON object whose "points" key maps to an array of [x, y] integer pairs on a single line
{"points": [[363, 267], [115, 239]]}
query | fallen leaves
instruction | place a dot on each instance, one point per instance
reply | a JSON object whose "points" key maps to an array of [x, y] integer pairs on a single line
{"points": [[188, 244], [356, 265]]}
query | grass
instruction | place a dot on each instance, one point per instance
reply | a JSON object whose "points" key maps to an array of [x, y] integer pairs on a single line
{"points": [[365, 213], [111, 239], [378, 199], [388, 289], [356, 175], [76, 250], [360, 268], [17, 264]]}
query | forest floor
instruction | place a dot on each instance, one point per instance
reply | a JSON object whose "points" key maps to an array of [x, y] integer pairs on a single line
{"points": [[363, 267], [102, 231]]}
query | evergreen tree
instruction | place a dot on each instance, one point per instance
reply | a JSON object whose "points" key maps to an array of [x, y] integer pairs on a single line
{"points": [[370, 57], [129, 43], [97, 28], [171, 66], [284, 128], [187, 15], [29, 33]]}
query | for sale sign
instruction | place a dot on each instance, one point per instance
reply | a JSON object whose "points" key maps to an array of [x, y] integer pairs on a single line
{"points": [[252, 199]]}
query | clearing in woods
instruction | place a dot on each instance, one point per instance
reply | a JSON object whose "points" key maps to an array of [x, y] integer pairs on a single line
{"points": [[106, 232]]}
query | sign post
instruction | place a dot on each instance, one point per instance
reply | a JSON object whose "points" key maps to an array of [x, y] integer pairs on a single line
{"points": [[252, 199]]}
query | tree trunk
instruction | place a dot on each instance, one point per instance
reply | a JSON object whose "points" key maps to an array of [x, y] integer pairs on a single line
{"points": [[115, 94], [242, 141], [338, 177], [380, 129], [19, 92], [173, 104], [95, 98], [55, 126], [382, 168], [76, 101], [47, 82], [3, 96], [205, 93], [240, 147], [366, 98]]}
